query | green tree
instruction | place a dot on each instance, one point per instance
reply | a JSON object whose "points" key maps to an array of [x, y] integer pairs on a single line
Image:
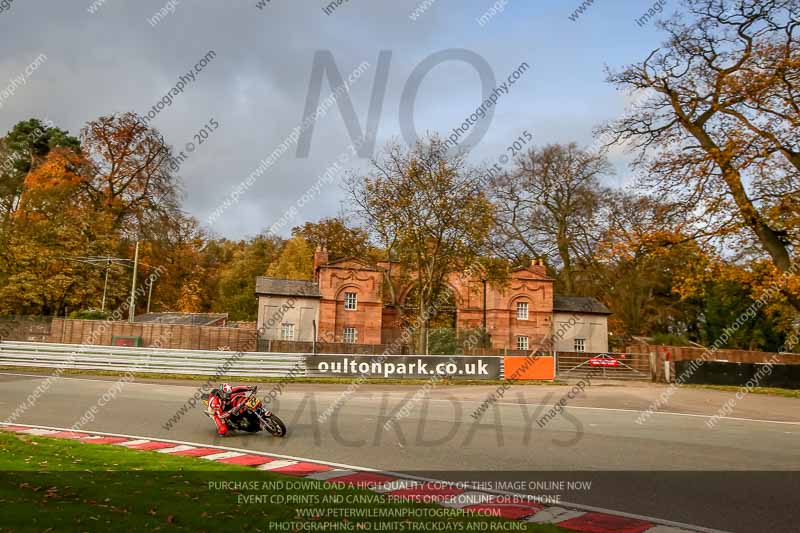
{"points": [[296, 261], [335, 235], [724, 302], [235, 292]]}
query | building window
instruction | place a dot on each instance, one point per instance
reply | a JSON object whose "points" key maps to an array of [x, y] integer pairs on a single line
{"points": [[287, 332], [580, 345], [350, 301], [522, 343], [350, 335], [522, 311]]}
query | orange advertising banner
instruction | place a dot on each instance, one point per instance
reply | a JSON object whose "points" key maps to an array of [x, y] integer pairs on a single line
{"points": [[519, 367]]}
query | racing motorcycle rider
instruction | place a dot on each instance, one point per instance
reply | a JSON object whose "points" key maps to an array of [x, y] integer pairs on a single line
{"points": [[225, 401]]}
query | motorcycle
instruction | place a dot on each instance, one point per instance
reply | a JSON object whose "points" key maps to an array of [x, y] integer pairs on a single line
{"points": [[251, 416]]}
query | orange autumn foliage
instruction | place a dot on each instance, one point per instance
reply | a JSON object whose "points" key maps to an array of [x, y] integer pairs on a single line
{"points": [[56, 184]]}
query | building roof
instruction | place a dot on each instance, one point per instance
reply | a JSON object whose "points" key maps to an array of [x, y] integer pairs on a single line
{"points": [[186, 319], [287, 287], [579, 304]]}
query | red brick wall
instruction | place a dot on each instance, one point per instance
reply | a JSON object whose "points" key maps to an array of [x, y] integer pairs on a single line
{"points": [[350, 276], [377, 324], [529, 285]]}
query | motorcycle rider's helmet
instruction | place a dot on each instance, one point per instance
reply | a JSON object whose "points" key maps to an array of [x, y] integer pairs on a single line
{"points": [[226, 389]]}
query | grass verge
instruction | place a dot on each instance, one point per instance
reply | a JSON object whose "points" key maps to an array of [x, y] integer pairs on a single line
{"points": [[60, 485], [772, 391]]}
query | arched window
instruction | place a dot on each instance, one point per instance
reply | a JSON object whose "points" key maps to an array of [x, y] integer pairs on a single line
{"points": [[522, 310], [350, 301]]}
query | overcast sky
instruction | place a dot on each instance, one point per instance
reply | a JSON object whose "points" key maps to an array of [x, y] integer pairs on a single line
{"points": [[115, 60]]}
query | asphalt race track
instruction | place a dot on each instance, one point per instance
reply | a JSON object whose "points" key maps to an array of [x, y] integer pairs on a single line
{"points": [[740, 475]]}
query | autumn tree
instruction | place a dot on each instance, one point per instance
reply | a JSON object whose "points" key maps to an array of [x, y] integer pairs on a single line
{"points": [[23, 149], [55, 221], [340, 239], [191, 298], [61, 200], [217, 256], [129, 179], [719, 134], [641, 259], [131, 176], [296, 261], [546, 206], [235, 290], [177, 252], [428, 210]]}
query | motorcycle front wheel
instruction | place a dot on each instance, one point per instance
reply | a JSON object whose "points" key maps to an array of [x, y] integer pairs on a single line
{"points": [[274, 425]]}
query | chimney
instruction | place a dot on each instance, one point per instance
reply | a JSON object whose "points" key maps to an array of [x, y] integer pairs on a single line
{"points": [[537, 267], [320, 258]]}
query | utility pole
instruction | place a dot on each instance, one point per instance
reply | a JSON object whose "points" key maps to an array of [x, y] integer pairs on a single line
{"points": [[484, 305], [132, 308], [105, 285], [150, 292]]}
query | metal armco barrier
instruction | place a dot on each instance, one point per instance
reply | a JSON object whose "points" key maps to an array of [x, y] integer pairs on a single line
{"points": [[150, 360], [268, 364]]}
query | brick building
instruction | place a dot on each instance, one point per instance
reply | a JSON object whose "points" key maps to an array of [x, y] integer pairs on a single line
{"points": [[348, 301]]}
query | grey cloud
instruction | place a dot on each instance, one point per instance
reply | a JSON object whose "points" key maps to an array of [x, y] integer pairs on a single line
{"points": [[115, 61]]}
